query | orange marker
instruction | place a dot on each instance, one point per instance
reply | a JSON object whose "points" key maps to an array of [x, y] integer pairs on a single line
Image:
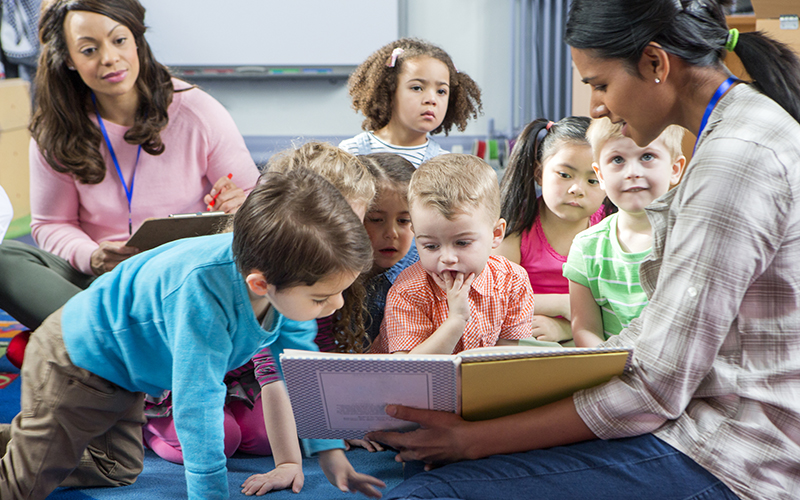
{"points": [[214, 199]]}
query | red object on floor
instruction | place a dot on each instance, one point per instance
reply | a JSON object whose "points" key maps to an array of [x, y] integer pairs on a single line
{"points": [[16, 348]]}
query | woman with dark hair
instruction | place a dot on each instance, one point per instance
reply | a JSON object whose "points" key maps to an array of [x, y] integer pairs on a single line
{"points": [[711, 405], [116, 140]]}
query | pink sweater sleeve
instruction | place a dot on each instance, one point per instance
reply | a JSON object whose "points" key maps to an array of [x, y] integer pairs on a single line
{"points": [[202, 144], [55, 213]]}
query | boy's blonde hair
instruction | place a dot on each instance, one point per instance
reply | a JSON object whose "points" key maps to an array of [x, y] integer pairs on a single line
{"points": [[455, 184], [603, 130], [345, 171]]}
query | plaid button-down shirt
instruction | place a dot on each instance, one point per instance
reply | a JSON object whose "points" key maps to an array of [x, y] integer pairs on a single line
{"points": [[500, 305], [716, 369]]}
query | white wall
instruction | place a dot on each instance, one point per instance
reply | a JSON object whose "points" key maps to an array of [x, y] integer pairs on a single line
{"points": [[474, 32]]}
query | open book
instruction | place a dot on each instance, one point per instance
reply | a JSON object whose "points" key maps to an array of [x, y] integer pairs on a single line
{"points": [[343, 396]]}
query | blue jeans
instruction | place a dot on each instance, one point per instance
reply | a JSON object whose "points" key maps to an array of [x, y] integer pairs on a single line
{"points": [[634, 468]]}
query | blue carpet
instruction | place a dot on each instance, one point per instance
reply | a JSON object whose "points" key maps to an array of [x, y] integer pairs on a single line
{"points": [[164, 480]]}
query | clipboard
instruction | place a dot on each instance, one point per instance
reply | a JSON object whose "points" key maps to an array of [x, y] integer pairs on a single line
{"points": [[155, 232]]}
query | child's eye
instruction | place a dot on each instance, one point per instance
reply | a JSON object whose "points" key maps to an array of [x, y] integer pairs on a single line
{"points": [[594, 182], [564, 175], [463, 243], [648, 157], [442, 91], [416, 87], [618, 160], [404, 222], [320, 301], [430, 246], [376, 220]]}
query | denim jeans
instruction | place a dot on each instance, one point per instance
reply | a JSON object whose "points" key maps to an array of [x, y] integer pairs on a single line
{"points": [[631, 468]]}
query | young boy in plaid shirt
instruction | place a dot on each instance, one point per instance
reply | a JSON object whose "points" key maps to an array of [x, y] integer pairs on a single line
{"points": [[458, 296]]}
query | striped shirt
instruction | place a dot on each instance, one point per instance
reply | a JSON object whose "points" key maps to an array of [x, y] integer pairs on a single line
{"points": [[716, 364], [500, 306], [598, 262], [414, 154]]}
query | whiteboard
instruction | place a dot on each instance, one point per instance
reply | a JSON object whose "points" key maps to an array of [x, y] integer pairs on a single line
{"points": [[201, 33]]}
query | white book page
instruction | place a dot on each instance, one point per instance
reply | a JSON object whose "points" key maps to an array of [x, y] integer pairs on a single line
{"points": [[356, 401]]}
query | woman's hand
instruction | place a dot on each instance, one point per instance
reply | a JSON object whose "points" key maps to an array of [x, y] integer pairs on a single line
{"points": [[442, 438], [287, 475], [230, 196], [108, 255], [341, 474]]}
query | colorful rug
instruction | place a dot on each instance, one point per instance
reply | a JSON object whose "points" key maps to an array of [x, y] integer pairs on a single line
{"points": [[8, 328]]}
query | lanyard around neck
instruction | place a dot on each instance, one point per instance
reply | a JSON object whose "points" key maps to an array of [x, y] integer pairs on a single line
{"points": [[723, 87], [128, 191]]}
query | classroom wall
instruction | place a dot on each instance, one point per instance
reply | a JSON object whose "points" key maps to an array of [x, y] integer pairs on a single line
{"points": [[474, 32]]}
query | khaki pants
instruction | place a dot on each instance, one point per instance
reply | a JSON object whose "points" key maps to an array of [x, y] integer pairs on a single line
{"points": [[75, 428]]}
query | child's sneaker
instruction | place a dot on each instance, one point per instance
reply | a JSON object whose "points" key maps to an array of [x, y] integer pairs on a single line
{"points": [[16, 348]]}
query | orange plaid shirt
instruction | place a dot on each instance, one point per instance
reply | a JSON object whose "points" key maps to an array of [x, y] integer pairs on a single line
{"points": [[500, 306]]}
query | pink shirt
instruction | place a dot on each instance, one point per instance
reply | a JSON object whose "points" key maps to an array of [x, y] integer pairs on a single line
{"points": [[500, 306], [542, 262], [202, 144]]}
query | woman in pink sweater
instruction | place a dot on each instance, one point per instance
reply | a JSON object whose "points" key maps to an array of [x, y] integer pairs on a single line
{"points": [[116, 140]]}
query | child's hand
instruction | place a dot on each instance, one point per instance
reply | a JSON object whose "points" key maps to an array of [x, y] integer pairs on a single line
{"points": [[341, 474], [286, 475], [370, 446], [551, 329], [457, 290]]}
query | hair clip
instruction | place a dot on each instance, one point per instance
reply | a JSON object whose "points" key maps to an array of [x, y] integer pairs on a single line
{"points": [[393, 59], [732, 40], [549, 124]]}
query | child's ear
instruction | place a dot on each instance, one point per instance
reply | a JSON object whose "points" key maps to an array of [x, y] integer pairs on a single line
{"points": [[257, 283], [499, 232], [677, 170], [599, 175]]}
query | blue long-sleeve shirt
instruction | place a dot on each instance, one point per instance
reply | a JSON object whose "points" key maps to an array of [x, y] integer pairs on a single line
{"points": [[177, 317]]}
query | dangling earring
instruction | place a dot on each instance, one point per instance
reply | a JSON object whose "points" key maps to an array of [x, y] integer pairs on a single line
{"points": [[658, 80]]}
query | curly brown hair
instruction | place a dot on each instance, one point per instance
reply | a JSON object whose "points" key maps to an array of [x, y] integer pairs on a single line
{"points": [[374, 83], [65, 135]]}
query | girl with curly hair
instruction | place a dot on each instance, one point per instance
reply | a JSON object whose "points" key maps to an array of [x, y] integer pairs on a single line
{"points": [[406, 90]]}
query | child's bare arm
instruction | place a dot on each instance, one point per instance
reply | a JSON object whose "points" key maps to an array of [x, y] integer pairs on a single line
{"points": [[282, 433], [341, 474], [587, 319], [445, 338], [509, 248], [551, 329], [553, 304]]}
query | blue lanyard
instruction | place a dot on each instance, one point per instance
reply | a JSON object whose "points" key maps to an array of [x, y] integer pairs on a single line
{"points": [[128, 191], [724, 86]]}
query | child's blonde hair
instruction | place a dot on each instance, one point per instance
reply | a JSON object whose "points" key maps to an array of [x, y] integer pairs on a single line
{"points": [[392, 173], [455, 184], [602, 130], [345, 171], [373, 84]]}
